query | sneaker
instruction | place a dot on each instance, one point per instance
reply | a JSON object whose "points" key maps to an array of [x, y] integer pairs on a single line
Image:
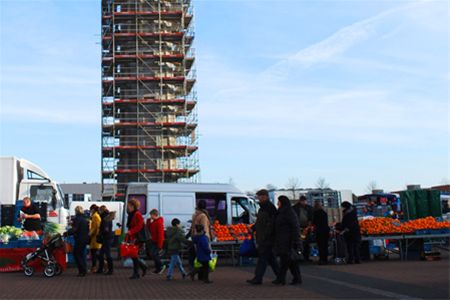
{"points": [[169, 278], [135, 276]]}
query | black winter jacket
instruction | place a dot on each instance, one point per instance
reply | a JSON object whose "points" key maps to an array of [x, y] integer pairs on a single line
{"points": [[287, 230], [320, 221], [80, 230], [106, 226], [351, 225], [264, 225]]}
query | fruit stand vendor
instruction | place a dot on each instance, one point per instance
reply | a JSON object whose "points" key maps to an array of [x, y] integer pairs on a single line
{"points": [[30, 214]]}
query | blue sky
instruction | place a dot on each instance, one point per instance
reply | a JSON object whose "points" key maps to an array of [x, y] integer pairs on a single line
{"points": [[352, 91]]}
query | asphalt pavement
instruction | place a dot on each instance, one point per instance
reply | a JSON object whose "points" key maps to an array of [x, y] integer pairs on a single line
{"points": [[371, 280]]}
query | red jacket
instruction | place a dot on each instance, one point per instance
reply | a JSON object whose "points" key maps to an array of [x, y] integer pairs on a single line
{"points": [[156, 229], [136, 225]]}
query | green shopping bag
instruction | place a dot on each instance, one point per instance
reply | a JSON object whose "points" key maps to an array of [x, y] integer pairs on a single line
{"points": [[212, 263]]}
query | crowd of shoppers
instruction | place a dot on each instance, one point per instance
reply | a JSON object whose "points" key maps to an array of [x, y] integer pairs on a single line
{"points": [[281, 239]]}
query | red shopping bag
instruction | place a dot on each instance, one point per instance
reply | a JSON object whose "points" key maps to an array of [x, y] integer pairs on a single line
{"points": [[128, 250]]}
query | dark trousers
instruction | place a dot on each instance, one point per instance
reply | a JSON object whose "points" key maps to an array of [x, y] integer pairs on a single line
{"points": [[322, 244], [265, 257], [285, 264], [203, 271], [353, 251], [79, 255], [153, 251], [105, 252], [138, 264], [94, 257]]}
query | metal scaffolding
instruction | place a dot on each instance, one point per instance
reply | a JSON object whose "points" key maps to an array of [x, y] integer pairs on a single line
{"points": [[149, 116]]}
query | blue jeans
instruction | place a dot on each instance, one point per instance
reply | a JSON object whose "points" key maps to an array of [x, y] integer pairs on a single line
{"points": [[175, 260]]}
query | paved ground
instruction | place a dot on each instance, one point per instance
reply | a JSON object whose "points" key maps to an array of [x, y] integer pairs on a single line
{"points": [[372, 280]]}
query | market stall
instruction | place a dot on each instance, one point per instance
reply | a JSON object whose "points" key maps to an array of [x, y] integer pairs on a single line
{"points": [[15, 244], [229, 239], [402, 237]]}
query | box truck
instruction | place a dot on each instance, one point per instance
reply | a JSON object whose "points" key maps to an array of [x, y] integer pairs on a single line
{"points": [[224, 202], [21, 178]]}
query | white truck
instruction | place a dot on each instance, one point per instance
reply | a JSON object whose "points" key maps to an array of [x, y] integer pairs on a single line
{"points": [[21, 178], [224, 202]]}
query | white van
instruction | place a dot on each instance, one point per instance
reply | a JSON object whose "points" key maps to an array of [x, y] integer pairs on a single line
{"points": [[225, 203]]}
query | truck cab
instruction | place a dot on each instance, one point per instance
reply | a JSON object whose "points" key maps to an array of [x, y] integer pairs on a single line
{"points": [[21, 178]]}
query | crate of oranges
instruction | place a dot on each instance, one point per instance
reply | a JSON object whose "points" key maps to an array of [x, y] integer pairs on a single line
{"points": [[233, 232]]}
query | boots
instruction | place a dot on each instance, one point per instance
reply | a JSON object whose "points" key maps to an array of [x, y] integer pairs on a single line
{"points": [[110, 266]]}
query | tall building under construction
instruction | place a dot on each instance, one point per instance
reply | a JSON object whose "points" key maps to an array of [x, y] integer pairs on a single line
{"points": [[149, 114]]}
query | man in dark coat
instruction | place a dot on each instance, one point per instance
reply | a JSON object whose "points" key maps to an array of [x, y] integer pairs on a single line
{"points": [[304, 214], [80, 232], [265, 235], [351, 232], [320, 222], [287, 241]]}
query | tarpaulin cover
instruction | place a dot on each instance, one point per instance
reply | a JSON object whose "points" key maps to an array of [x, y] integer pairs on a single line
{"points": [[420, 204]]}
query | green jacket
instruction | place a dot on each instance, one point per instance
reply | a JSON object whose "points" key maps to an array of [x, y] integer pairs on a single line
{"points": [[175, 239]]}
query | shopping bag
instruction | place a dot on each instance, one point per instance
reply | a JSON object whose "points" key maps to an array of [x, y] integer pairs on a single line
{"points": [[128, 250], [213, 262], [248, 248], [197, 264]]}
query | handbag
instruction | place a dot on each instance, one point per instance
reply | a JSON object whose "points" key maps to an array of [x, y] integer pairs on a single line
{"points": [[128, 250], [143, 235]]}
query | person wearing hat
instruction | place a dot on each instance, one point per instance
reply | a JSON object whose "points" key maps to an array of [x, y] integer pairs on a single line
{"points": [[265, 236]]}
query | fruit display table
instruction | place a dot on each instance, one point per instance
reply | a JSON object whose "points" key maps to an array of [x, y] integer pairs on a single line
{"points": [[406, 241], [228, 249]]}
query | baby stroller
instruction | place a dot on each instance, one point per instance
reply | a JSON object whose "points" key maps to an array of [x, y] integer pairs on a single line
{"points": [[338, 242], [45, 256]]}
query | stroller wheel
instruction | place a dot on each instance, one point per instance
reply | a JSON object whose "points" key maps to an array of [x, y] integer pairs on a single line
{"points": [[58, 269], [50, 270], [28, 271]]}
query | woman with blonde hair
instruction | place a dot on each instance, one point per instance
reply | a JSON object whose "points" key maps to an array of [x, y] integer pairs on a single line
{"points": [[94, 230]]}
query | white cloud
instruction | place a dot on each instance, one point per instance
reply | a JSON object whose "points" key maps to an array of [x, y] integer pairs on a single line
{"points": [[337, 43]]}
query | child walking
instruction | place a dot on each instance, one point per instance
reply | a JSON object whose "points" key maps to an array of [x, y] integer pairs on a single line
{"points": [[175, 240], [203, 250]]}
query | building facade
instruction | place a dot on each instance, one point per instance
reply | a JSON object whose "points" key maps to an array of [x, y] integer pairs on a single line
{"points": [[149, 117]]}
